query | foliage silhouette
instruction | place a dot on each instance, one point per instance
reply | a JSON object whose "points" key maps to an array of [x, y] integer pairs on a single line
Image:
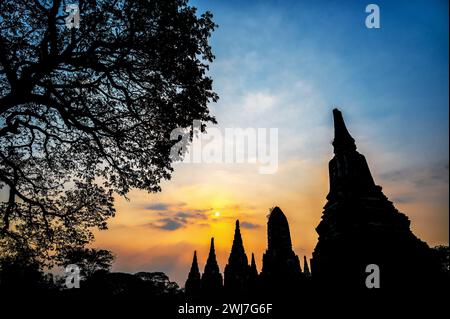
{"points": [[86, 112], [89, 260]]}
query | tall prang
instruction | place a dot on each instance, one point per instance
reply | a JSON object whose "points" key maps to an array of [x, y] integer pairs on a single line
{"points": [[193, 283], [281, 266], [211, 282], [237, 271], [360, 226]]}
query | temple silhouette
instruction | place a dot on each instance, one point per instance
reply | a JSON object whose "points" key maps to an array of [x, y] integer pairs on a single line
{"points": [[359, 227]]}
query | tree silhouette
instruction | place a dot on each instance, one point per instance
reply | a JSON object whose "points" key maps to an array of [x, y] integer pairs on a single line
{"points": [[86, 112], [89, 260], [21, 274], [442, 253]]}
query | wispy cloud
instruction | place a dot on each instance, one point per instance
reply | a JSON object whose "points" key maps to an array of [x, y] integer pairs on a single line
{"points": [[249, 225], [169, 224], [403, 199], [157, 206], [436, 173], [259, 101], [170, 221]]}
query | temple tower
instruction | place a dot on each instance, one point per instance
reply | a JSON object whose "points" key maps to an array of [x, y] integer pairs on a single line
{"points": [[212, 278], [360, 226], [237, 270], [193, 282], [281, 266]]}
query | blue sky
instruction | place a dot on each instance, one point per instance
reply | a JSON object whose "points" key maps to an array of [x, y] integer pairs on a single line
{"points": [[286, 64], [396, 76]]}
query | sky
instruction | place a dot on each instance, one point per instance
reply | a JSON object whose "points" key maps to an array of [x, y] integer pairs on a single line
{"points": [[286, 65]]}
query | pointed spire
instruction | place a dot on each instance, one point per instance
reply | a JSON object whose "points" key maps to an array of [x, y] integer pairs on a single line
{"points": [[253, 269], [212, 250], [194, 267], [237, 269], [306, 267], [237, 250], [192, 285], [211, 263], [237, 232], [212, 278], [343, 141], [349, 174], [253, 275]]}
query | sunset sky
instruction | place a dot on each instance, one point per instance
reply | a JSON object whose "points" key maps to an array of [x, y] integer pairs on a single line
{"points": [[285, 65]]}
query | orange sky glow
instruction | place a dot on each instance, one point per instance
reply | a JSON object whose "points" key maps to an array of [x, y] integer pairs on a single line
{"points": [[143, 241]]}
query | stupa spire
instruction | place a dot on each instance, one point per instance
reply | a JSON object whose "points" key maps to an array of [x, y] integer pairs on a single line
{"points": [[253, 276], [349, 172], [306, 267], [253, 268], [212, 251], [194, 266], [343, 141], [237, 250], [193, 282], [237, 269], [212, 278]]}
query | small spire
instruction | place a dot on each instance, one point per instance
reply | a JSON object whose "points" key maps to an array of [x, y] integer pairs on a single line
{"points": [[237, 234], [192, 285], [343, 141], [253, 275], [237, 254], [253, 264], [306, 267], [211, 279], [253, 268], [195, 272], [212, 250], [194, 261]]}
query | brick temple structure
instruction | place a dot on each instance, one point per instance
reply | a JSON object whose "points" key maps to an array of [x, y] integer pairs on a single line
{"points": [[360, 227]]}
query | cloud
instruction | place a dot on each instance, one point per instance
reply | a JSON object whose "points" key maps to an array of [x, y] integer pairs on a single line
{"points": [[169, 224], [429, 175], [192, 215], [259, 101], [403, 199], [161, 206], [248, 225], [157, 206], [171, 221]]}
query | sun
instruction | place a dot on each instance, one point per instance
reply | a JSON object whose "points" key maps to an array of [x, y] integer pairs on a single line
{"points": [[217, 214]]}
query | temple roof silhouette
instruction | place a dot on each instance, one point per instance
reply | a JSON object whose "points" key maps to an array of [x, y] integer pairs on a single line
{"points": [[279, 237]]}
